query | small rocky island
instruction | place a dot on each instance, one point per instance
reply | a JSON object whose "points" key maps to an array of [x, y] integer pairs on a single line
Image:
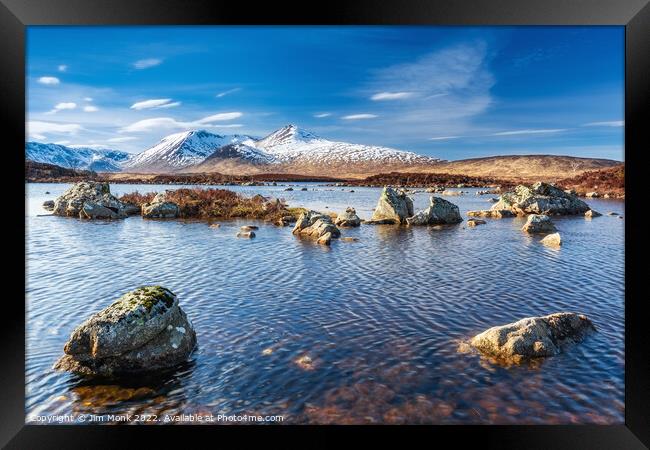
{"points": [[144, 330]]}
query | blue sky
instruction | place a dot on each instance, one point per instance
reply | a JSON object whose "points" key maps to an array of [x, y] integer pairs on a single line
{"points": [[450, 92]]}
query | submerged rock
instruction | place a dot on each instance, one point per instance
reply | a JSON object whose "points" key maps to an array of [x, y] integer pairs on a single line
{"points": [[246, 234], [393, 205], [439, 212], [143, 330], [160, 208], [48, 205], [248, 227], [540, 198], [315, 225], [539, 223], [89, 199], [552, 240], [348, 218], [325, 239], [591, 213], [533, 337], [475, 222]]}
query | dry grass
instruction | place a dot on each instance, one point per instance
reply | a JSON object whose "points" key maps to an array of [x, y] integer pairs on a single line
{"points": [[217, 204], [605, 181]]}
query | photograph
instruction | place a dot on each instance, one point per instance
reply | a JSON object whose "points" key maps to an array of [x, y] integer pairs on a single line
{"points": [[325, 225]]}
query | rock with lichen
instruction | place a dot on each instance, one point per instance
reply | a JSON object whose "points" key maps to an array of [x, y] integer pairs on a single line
{"points": [[315, 225], [393, 206], [143, 330], [439, 212], [90, 200], [540, 198], [552, 240], [160, 208], [348, 218], [533, 337], [539, 223]]}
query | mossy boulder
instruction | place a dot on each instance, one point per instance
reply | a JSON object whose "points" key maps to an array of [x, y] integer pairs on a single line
{"points": [[143, 330]]}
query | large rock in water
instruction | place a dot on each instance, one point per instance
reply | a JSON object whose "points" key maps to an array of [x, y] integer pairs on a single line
{"points": [[348, 218], [539, 223], [393, 207], [143, 330], [160, 208], [90, 200], [541, 198], [315, 225], [533, 337], [439, 212]]}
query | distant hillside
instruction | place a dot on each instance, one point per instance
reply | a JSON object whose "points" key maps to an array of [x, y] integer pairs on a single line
{"points": [[35, 172], [610, 181], [524, 167]]}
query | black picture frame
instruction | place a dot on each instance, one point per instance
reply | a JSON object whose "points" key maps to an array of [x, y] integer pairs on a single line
{"points": [[15, 15]]}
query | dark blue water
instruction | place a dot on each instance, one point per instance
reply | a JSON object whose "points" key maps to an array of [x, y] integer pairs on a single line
{"points": [[382, 318]]}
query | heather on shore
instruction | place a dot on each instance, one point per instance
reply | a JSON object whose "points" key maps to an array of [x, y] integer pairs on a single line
{"points": [[216, 204]]}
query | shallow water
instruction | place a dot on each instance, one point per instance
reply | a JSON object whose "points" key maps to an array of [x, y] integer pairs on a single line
{"points": [[381, 318]]}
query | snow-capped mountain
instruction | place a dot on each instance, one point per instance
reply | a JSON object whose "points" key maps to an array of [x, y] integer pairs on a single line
{"points": [[180, 150], [291, 144], [84, 158]]}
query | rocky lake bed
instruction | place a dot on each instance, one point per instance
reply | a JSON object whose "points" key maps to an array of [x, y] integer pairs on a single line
{"points": [[332, 304]]}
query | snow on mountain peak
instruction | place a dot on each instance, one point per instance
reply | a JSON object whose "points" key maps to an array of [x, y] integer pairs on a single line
{"points": [[286, 135]]}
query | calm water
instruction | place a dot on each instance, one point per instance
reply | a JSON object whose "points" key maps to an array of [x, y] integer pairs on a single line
{"points": [[381, 318]]}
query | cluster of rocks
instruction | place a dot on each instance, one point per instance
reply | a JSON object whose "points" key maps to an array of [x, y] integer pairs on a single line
{"points": [[144, 330], [533, 337], [395, 207], [317, 226], [91, 200], [541, 198]]}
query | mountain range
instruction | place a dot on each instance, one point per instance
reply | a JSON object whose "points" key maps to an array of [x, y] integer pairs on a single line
{"points": [[287, 150]]}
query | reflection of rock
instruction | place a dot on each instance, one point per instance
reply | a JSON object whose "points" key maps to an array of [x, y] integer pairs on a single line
{"points": [[89, 199], [539, 223], [440, 211], [393, 205], [103, 395], [591, 213], [492, 213], [143, 330], [348, 218], [349, 239], [246, 234], [160, 208], [541, 198], [552, 240], [533, 336]]}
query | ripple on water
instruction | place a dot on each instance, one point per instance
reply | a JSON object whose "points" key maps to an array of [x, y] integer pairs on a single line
{"points": [[380, 318]]}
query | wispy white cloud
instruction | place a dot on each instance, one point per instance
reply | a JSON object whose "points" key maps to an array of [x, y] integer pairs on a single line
{"points": [[88, 99], [90, 108], [155, 103], [62, 106], [40, 129], [321, 115], [518, 132], [612, 123], [229, 91], [359, 116], [391, 96], [122, 139], [62, 68], [444, 138], [146, 63], [49, 81], [168, 123]]}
